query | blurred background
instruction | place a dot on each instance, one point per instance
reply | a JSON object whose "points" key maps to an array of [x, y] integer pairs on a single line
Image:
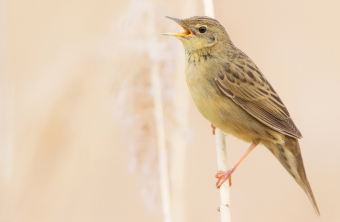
{"points": [[78, 126]]}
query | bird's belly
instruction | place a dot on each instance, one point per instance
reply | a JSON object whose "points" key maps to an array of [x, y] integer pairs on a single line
{"points": [[226, 115]]}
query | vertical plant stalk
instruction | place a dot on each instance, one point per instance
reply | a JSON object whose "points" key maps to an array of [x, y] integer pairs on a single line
{"points": [[178, 150], [181, 110], [162, 153], [220, 145], [223, 165], [209, 8], [157, 97], [6, 106]]}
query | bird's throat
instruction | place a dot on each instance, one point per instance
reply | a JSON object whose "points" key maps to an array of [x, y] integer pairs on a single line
{"points": [[204, 54], [198, 55]]}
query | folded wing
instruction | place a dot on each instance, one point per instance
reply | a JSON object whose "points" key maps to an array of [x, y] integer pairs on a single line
{"points": [[242, 81]]}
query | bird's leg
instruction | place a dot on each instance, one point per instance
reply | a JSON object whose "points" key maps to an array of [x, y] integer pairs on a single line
{"points": [[214, 127], [224, 175]]}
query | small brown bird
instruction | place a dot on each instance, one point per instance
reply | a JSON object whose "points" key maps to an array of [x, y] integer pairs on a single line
{"points": [[231, 92]]}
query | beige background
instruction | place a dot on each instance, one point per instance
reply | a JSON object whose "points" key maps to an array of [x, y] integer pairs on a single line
{"points": [[62, 158]]}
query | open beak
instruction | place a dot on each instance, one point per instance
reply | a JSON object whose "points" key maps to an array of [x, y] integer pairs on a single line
{"points": [[186, 32]]}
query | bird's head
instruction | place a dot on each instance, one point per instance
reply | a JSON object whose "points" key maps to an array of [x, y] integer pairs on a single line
{"points": [[200, 32]]}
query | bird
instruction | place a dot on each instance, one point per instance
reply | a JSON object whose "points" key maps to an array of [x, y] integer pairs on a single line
{"points": [[231, 92]]}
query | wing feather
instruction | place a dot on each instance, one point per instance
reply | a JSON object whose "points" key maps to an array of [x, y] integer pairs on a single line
{"points": [[248, 88]]}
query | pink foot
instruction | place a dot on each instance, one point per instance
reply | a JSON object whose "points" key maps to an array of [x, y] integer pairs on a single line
{"points": [[223, 176], [214, 127]]}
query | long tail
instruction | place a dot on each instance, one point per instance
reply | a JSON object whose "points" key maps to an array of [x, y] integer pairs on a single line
{"points": [[290, 157]]}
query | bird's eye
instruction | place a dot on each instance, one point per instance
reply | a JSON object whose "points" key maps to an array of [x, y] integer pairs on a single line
{"points": [[202, 29]]}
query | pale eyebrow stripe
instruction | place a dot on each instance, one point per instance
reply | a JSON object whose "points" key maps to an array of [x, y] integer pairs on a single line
{"points": [[198, 25]]}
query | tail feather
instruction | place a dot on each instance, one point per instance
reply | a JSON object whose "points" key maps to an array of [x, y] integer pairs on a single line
{"points": [[289, 155]]}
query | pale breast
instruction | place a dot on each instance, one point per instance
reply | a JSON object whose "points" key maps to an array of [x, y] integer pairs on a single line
{"points": [[220, 109]]}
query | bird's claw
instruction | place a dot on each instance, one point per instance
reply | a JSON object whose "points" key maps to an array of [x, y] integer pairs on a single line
{"points": [[223, 176], [214, 127]]}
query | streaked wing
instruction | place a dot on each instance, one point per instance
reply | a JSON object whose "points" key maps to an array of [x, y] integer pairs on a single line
{"points": [[242, 81]]}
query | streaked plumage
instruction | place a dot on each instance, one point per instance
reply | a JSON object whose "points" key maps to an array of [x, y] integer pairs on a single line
{"points": [[231, 92], [242, 81]]}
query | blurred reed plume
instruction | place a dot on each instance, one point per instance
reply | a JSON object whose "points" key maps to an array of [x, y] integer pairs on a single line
{"points": [[131, 54], [6, 135]]}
